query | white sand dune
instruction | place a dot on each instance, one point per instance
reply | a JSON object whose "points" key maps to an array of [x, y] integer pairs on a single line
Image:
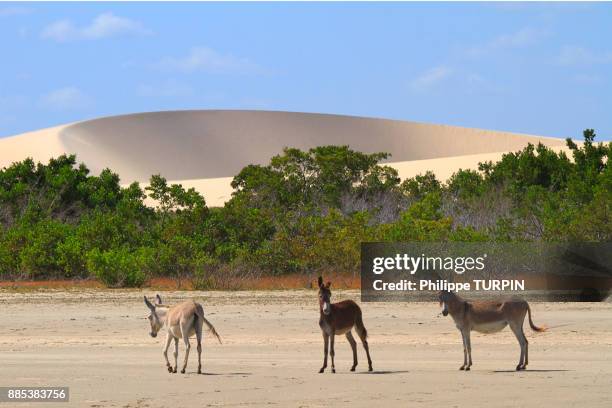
{"points": [[206, 148]]}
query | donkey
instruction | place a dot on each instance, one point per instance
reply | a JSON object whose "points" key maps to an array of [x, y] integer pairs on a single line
{"points": [[337, 319], [488, 317], [182, 321]]}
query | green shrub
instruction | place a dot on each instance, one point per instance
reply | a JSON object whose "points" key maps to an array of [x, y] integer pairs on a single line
{"points": [[120, 267], [304, 212], [204, 274], [11, 242], [72, 257], [38, 256]]}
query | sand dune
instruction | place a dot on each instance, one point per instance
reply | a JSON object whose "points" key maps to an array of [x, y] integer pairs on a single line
{"points": [[41, 145], [204, 149]]}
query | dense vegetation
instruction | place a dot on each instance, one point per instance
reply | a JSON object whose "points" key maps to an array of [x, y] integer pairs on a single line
{"points": [[305, 212]]}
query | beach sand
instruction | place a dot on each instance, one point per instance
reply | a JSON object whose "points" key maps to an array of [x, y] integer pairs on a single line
{"points": [[97, 343]]}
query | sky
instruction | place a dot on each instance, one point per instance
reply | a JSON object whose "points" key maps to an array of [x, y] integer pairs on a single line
{"points": [[536, 68]]}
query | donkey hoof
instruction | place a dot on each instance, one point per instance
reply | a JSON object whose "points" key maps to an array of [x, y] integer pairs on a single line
{"points": [[169, 369], [199, 371], [370, 368], [174, 371], [461, 368], [353, 368], [333, 370], [467, 368], [183, 371], [321, 370]]}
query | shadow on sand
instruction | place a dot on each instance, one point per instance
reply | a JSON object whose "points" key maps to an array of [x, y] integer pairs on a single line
{"points": [[377, 372], [530, 371], [227, 374]]}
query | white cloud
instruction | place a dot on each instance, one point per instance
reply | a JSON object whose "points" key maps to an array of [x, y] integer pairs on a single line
{"points": [[67, 98], [102, 26], [572, 55], [431, 77], [522, 38], [13, 11], [209, 60], [170, 88], [60, 31]]}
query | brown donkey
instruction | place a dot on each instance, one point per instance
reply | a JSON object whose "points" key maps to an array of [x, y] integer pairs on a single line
{"points": [[488, 317], [337, 319]]}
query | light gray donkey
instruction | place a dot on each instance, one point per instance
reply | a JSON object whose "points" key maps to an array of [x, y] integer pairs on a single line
{"points": [[182, 321], [488, 317]]}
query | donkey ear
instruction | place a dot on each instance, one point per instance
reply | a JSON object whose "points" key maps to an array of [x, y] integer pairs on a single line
{"points": [[159, 301], [328, 285], [320, 281], [149, 304]]}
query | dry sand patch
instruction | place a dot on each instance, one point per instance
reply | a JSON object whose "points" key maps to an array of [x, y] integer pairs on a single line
{"points": [[96, 342]]}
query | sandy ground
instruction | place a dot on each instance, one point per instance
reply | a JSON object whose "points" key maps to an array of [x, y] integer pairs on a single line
{"points": [[97, 343]]}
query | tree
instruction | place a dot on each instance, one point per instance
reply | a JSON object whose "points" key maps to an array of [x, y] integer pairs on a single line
{"points": [[322, 175]]}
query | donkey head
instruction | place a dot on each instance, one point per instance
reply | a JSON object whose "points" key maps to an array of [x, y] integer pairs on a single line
{"points": [[445, 296], [324, 296], [154, 320]]}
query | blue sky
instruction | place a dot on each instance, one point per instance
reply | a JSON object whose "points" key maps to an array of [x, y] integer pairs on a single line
{"points": [[533, 68]]}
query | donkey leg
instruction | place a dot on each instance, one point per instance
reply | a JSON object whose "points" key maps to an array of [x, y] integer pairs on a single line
{"points": [[353, 343], [364, 340], [166, 347], [526, 360], [465, 359], [520, 336], [187, 348], [325, 350], [175, 354], [468, 343], [332, 352], [198, 329]]}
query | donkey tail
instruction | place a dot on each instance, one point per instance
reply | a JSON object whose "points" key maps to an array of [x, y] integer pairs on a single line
{"points": [[200, 313], [212, 329], [533, 326], [360, 328]]}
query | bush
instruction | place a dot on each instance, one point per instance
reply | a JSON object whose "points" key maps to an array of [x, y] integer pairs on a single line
{"points": [[39, 256], [178, 257], [72, 257], [205, 272], [11, 242], [120, 267], [304, 212]]}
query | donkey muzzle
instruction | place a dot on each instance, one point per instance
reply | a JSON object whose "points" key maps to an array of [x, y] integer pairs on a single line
{"points": [[326, 309]]}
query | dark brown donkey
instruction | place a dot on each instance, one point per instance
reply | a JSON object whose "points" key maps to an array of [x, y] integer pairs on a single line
{"points": [[337, 319]]}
